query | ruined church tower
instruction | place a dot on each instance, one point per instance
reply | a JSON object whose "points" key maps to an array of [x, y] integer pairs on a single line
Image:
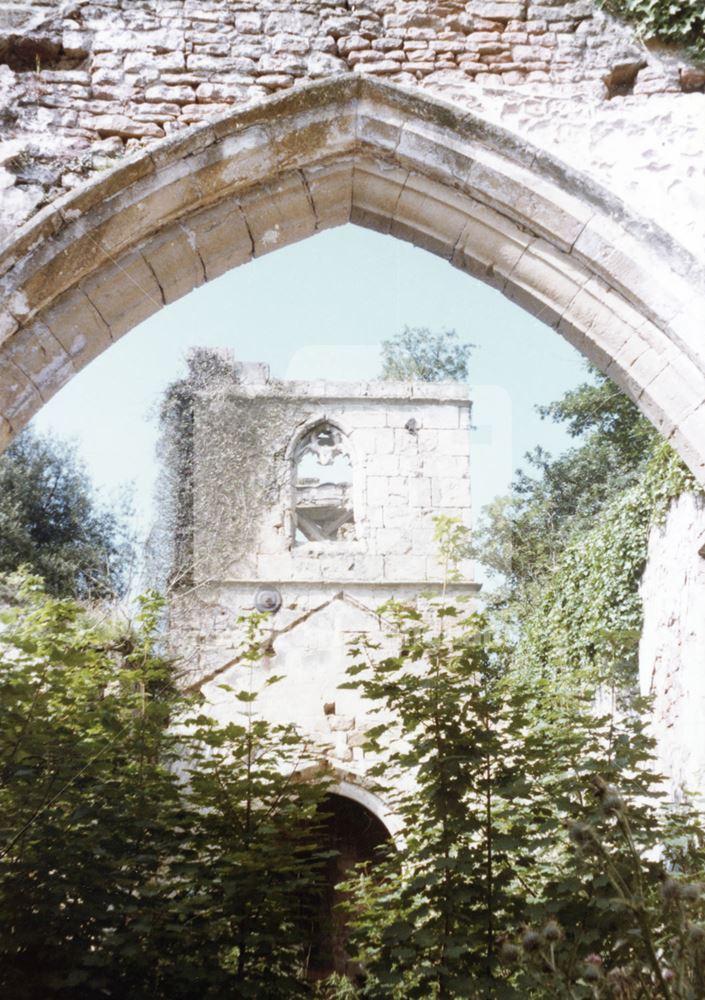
{"points": [[312, 502]]}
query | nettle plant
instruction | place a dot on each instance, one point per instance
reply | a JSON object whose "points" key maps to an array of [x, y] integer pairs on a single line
{"points": [[521, 871]]}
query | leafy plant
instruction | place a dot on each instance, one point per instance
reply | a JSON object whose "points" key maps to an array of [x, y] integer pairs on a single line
{"points": [[418, 354], [429, 926], [571, 542], [677, 22], [51, 522], [157, 853], [660, 951]]}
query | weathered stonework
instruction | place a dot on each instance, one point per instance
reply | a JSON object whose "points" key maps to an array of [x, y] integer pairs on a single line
{"points": [[672, 648], [408, 449], [81, 82], [154, 144], [101, 259]]}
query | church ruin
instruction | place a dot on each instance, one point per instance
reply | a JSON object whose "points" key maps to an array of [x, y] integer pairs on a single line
{"points": [[146, 148], [311, 503]]}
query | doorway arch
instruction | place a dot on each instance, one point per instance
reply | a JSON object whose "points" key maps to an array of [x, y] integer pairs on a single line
{"points": [[98, 261]]}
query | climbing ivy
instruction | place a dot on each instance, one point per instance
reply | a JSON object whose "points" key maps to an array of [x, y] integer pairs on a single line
{"points": [[678, 22], [587, 613]]}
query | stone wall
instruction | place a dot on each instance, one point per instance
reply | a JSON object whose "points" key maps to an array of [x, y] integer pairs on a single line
{"points": [[409, 448], [85, 80], [672, 648], [410, 461]]}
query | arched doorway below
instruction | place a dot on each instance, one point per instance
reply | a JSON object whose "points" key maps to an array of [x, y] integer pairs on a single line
{"points": [[355, 836]]}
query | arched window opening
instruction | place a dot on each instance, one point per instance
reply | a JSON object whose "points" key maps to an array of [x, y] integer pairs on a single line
{"points": [[323, 507]]}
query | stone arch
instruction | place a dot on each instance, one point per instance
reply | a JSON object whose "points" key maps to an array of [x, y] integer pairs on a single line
{"points": [[98, 261], [357, 791], [322, 508]]}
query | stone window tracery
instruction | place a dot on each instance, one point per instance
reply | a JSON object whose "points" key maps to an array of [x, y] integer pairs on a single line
{"points": [[323, 508]]}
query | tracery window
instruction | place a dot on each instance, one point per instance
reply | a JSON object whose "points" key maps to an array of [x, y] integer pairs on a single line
{"points": [[323, 508]]}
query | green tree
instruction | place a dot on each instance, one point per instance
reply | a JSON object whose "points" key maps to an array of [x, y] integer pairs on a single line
{"points": [[51, 522], [144, 850], [418, 354], [571, 541], [524, 535], [511, 820], [429, 923]]}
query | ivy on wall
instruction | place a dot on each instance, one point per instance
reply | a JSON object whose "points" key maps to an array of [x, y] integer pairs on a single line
{"points": [[677, 22], [589, 612]]}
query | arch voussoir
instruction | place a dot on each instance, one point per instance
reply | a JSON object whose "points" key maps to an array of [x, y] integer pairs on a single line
{"points": [[108, 255]]}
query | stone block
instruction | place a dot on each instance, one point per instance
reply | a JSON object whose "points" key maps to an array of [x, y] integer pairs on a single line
{"points": [[173, 259], [376, 189], [630, 268], [427, 441], [78, 327], [430, 216], [239, 157], [222, 238], [545, 281], [291, 22], [398, 490], [419, 493], [448, 465], [397, 416], [275, 567], [382, 465], [122, 126], [383, 441], [40, 356], [377, 491], [280, 214], [437, 417], [688, 437], [398, 516], [392, 541], [330, 188], [124, 293], [669, 399], [361, 416], [366, 566], [19, 398], [452, 442], [490, 246], [447, 491], [404, 568], [406, 442], [305, 565]]}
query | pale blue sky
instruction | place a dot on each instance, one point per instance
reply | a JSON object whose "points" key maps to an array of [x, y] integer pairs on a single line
{"points": [[319, 310]]}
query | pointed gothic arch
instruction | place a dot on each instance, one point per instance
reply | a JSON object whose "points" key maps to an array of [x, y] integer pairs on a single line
{"points": [[98, 261], [323, 509]]}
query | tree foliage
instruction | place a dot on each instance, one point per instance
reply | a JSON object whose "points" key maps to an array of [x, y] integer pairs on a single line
{"points": [[165, 855], [418, 354], [51, 522], [512, 788], [145, 850], [571, 541]]}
